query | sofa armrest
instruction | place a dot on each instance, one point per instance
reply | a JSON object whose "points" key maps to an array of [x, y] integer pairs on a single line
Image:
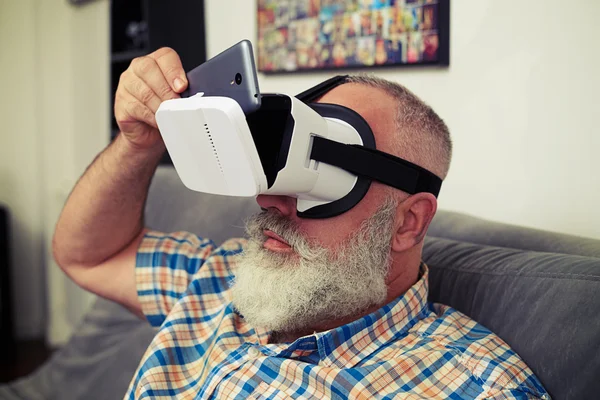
{"points": [[98, 362]]}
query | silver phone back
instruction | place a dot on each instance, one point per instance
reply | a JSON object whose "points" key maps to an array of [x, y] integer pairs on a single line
{"points": [[216, 77]]}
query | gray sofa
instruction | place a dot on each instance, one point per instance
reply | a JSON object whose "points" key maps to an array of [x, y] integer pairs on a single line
{"points": [[537, 290]]}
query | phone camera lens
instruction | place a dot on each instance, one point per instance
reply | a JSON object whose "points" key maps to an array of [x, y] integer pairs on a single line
{"points": [[238, 78]]}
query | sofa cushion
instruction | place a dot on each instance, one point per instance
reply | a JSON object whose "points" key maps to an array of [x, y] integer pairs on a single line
{"points": [[544, 305], [97, 363], [467, 228]]}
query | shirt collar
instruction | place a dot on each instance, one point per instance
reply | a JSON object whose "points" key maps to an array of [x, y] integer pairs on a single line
{"points": [[347, 345]]}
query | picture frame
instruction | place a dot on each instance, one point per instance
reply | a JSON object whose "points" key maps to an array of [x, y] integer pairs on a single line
{"points": [[308, 35]]}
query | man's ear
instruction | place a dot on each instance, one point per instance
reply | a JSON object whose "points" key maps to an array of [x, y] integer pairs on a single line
{"points": [[413, 217]]}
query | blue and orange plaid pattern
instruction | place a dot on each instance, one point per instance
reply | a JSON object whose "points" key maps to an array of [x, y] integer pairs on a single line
{"points": [[407, 349]]}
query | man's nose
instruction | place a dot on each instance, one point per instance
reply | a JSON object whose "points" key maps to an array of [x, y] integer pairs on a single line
{"points": [[284, 205]]}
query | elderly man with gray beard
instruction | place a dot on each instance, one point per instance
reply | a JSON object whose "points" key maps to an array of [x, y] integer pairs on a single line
{"points": [[301, 308]]}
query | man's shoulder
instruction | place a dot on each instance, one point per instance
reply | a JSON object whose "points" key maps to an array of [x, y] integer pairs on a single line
{"points": [[233, 246], [187, 254], [488, 358], [223, 259], [183, 241]]}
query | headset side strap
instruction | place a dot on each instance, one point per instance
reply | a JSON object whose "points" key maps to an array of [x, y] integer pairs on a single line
{"points": [[382, 167]]}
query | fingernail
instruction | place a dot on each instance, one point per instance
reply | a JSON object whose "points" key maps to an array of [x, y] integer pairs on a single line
{"points": [[178, 83]]}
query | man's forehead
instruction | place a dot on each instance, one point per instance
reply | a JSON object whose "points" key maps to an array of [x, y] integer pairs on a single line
{"points": [[349, 93]]}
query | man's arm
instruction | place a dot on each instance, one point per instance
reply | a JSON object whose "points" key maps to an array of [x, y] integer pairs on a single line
{"points": [[101, 225]]}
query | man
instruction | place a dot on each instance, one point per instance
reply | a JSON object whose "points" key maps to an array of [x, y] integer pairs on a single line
{"points": [[304, 308]]}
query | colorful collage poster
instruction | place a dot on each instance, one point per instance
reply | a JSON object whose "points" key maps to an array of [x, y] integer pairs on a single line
{"points": [[317, 34]]}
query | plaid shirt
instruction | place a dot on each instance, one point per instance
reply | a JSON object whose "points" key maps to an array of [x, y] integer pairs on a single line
{"points": [[408, 348]]}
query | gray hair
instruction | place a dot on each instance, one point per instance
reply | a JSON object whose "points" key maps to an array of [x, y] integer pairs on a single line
{"points": [[422, 137]]}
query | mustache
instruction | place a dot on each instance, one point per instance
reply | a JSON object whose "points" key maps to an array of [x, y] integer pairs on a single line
{"points": [[270, 220]]}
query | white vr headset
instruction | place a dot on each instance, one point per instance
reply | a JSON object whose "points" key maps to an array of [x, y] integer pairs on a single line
{"points": [[322, 154]]}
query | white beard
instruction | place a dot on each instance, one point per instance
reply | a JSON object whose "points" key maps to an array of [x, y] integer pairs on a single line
{"points": [[292, 292]]}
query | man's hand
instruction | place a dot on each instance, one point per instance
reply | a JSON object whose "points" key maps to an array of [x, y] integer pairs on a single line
{"points": [[147, 82]]}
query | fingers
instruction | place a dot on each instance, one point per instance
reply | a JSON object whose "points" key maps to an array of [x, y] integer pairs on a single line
{"points": [[148, 82], [146, 69], [170, 64], [129, 111], [141, 91]]}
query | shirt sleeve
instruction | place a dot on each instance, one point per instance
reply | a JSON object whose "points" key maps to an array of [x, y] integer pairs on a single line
{"points": [[165, 266]]}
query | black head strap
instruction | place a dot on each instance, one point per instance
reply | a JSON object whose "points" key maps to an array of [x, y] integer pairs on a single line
{"points": [[377, 165]]}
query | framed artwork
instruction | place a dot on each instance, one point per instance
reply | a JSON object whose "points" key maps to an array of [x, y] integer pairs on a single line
{"points": [[296, 35]]}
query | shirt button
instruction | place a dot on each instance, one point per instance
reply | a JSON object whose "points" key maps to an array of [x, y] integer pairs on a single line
{"points": [[253, 352]]}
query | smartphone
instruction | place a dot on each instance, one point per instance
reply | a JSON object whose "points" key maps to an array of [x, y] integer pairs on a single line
{"points": [[231, 73]]}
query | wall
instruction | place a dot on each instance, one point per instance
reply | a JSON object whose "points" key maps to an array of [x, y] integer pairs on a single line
{"points": [[519, 98], [55, 119], [74, 127], [20, 168]]}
